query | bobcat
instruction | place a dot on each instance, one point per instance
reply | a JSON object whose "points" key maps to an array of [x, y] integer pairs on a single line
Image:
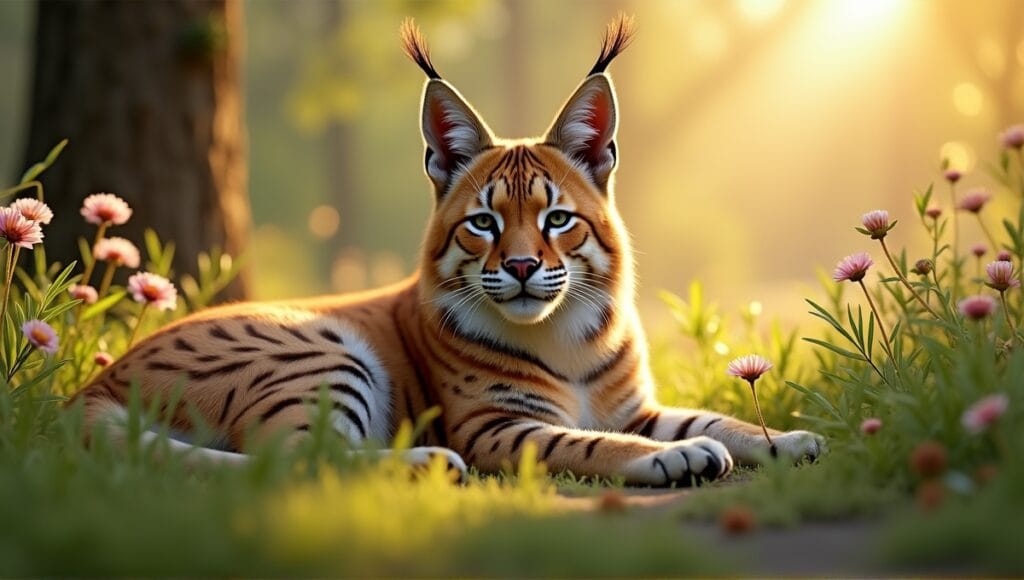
{"points": [[520, 323]]}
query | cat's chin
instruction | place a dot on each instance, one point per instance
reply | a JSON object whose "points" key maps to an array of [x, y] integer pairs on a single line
{"points": [[526, 311]]}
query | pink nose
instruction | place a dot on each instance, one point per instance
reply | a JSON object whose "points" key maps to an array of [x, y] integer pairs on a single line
{"points": [[521, 268]]}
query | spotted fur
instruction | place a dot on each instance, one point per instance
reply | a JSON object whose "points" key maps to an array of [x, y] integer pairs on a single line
{"points": [[520, 323]]}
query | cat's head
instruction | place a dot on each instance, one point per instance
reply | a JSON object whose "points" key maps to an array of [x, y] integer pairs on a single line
{"points": [[526, 231]]}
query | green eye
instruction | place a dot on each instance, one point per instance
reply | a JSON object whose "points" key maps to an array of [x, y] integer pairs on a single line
{"points": [[558, 218], [482, 221]]}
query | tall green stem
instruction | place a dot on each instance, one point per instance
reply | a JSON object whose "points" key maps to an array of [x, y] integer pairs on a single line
{"points": [[100, 231], [11, 263], [906, 283], [881, 326], [138, 325], [760, 417]]}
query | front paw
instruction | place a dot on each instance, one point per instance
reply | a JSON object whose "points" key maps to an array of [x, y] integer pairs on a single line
{"points": [[683, 463], [799, 446]]}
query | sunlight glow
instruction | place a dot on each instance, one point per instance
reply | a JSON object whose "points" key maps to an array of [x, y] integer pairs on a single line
{"points": [[967, 99], [721, 348], [959, 155], [846, 15], [759, 10], [708, 38]]}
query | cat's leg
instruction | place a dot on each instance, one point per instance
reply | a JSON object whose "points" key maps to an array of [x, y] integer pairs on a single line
{"points": [[489, 438], [745, 442]]}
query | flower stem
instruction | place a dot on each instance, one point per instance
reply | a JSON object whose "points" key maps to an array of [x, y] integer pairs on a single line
{"points": [[108, 277], [138, 324], [760, 417], [885, 250], [1006, 312], [100, 231], [881, 327], [988, 234], [12, 262]]}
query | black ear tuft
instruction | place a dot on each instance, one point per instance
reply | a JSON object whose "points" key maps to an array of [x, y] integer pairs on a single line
{"points": [[617, 37], [415, 47]]}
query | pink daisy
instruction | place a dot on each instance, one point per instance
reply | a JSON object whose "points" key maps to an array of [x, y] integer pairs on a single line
{"points": [[86, 294], [117, 250], [40, 335], [33, 209], [952, 175], [986, 411], [17, 230], [1004, 256], [876, 224], [871, 426], [148, 288], [103, 359], [749, 367], [933, 212], [1001, 276], [105, 208], [852, 267], [974, 200], [979, 249], [977, 307], [1013, 137]]}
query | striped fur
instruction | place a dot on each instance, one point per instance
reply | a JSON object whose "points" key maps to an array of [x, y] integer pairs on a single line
{"points": [[520, 323]]}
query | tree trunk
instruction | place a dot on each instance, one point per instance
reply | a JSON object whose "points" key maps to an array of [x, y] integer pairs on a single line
{"points": [[149, 96]]}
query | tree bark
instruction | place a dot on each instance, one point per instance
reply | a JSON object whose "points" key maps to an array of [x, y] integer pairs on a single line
{"points": [[149, 95]]}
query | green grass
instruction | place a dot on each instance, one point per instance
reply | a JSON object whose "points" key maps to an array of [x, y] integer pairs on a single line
{"points": [[133, 509]]}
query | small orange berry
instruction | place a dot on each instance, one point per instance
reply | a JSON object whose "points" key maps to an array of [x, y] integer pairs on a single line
{"points": [[930, 495], [737, 520], [611, 501], [928, 459]]}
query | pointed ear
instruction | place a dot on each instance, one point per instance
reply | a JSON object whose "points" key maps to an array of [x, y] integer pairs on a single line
{"points": [[454, 133], [585, 128]]}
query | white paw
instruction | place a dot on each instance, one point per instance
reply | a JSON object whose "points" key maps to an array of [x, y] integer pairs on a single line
{"points": [[800, 445], [684, 463], [422, 456]]}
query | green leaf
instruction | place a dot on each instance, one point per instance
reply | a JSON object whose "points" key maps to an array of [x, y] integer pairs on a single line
{"points": [[103, 305], [45, 164], [838, 350]]}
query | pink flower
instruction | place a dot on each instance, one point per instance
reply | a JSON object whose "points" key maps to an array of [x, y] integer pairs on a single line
{"points": [[922, 267], [1000, 276], [1013, 137], [974, 200], [977, 307], [933, 212], [852, 267], [876, 224], [86, 294], [40, 335], [17, 230], [871, 426], [979, 249], [749, 367], [105, 208], [952, 175], [1004, 256], [148, 288], [103, 359], [33, 209], [986, 411], [117, 250]]}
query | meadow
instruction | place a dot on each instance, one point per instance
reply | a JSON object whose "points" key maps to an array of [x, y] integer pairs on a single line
{"points": [[909, 365]]}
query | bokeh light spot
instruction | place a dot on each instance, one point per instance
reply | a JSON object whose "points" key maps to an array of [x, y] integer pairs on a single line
{"points": [[967, 99], [755, 308], [324, 221], [991, 58], [721, 348], [959, 155]]}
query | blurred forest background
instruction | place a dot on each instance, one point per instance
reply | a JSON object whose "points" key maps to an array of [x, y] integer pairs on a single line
{"points": [[754, 133]]}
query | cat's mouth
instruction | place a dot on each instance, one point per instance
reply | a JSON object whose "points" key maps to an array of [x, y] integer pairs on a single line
{"points": [[526, 307]]}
